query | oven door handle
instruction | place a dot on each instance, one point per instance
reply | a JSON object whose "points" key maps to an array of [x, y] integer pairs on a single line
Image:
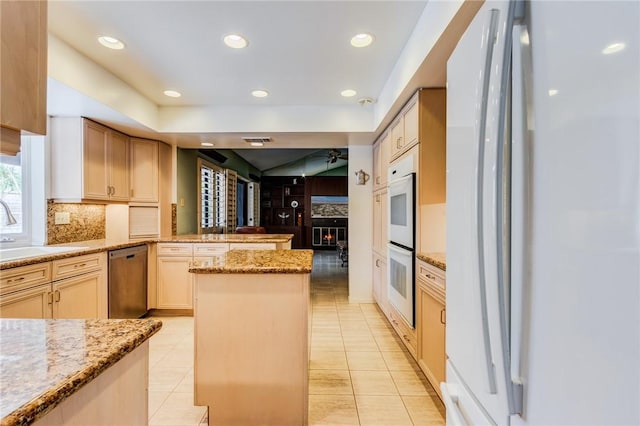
{"points": [[401, 181], [399, 250]]}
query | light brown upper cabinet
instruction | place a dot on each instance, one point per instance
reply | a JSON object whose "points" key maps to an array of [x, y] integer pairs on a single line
{"points": [[23, 34], [381, 151], [405, 129], [144, 171], [88, 161]]}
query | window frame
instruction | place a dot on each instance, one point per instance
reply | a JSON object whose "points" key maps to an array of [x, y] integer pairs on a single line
{"points": [[218, 209], [22, 238]]}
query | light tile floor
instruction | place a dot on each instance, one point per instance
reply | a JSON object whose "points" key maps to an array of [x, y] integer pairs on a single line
{"points": [[359, 372]]}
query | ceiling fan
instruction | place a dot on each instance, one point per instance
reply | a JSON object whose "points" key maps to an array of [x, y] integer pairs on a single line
{"points": [[335, 155]]}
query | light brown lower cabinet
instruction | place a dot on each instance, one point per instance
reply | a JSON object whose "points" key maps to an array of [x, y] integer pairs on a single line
{"points": [[175, 283], [77, 288], [431, 317]]}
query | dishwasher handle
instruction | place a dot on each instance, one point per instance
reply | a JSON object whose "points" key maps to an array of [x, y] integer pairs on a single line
{"points": [[127, 253]]}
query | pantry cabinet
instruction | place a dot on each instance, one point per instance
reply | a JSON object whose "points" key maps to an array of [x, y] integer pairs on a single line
{"points": [[99, 155], [23, 35]]}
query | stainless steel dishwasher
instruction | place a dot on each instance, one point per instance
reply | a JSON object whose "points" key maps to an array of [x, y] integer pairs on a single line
{"points": [[128, 282]]}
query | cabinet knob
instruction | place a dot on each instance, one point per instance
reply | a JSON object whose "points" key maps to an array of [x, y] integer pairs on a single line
{"points": [[50, 298], [57, 295], [443, 316]]}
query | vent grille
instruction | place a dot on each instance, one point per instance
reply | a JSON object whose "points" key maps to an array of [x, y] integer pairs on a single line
{"points": [[256, 139]]}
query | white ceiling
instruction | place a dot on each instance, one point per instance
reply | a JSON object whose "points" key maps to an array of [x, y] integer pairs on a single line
{"points": [[298, 50]]}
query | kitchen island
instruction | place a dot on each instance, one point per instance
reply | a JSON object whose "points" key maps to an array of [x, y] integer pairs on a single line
{"points": [[62, 372], [251, 314]]}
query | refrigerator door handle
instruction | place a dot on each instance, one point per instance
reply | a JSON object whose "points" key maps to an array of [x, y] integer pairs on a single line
{"points": [[491, 39], [521, 88], [450, 399]]}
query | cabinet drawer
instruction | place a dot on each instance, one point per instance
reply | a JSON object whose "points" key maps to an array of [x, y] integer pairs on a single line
{"points": [[252, 246], [431, 274], [15, 279], [406, 333], [207, 249], [175, 249], [77, 265]]}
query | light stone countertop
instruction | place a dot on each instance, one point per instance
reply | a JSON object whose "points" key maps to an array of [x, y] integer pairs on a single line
{"points": [[96, 246], [42, 362], [439, 260], [257, 262]]}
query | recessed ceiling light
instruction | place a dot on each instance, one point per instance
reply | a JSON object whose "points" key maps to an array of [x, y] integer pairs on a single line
{"points": [[347, 93], [111, 42], [206, 144], [553, 92], [361, 40], [172, 93], [257, 144], [235, 41], [613, 48], [260, 93]]}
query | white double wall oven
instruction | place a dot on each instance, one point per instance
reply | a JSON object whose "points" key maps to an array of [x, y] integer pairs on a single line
{"points": [[401, 241]]}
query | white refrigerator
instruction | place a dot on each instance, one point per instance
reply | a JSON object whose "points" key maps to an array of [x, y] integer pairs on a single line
{"points": [[543, 216]]}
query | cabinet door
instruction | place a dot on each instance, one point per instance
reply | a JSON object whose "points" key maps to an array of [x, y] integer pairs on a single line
{"points": [[96, 173], [78, 297], [397, 134], [380, 225], [385, 153], [144, 171], [23, 85], [175, 284], [410, 126], [431, 317], [377, 169], [30, 303], [118, 154]]}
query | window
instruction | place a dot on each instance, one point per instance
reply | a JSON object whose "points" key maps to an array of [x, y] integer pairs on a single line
{"points": [[212, 212], [14, 209]]}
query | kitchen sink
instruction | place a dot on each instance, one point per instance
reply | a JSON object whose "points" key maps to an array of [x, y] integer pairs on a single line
{"points": [[23, 252]]}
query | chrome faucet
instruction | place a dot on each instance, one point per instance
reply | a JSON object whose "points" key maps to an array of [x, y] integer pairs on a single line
{"points": [[10, 219]]}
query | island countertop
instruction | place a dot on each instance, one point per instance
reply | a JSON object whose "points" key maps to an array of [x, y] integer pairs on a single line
{"points": [[256, 262], [42, 362]]}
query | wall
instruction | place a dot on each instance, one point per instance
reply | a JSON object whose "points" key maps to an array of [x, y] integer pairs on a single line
{"points": [[187, 186], [87, 222], [360, 226]]}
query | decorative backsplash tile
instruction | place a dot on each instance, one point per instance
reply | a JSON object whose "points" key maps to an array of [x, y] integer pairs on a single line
{"points": [[174, 219], [86, 222]]}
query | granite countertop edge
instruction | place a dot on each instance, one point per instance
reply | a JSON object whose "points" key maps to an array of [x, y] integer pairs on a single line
{"points": [[249, 270], [42, 404], [256, 262], [435, 259], [97, 246]]}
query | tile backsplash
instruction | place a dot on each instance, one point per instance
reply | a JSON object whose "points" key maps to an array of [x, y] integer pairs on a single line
{"points": [[86, 222]]}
